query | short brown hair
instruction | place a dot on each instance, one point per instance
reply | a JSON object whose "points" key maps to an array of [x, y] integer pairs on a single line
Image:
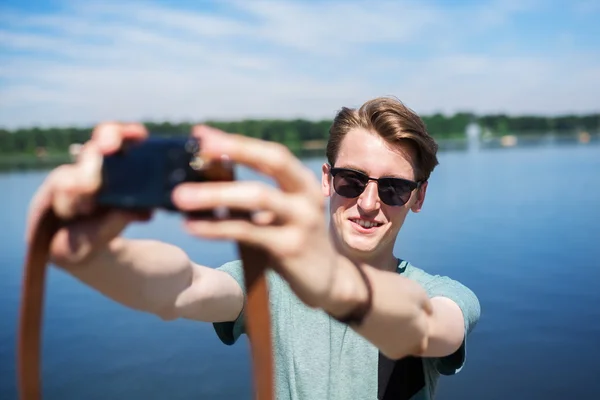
{"points": [[394, 122]]}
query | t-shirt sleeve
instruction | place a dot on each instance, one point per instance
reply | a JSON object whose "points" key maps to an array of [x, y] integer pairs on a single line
{"points": [[230, 331], [442, 286]]}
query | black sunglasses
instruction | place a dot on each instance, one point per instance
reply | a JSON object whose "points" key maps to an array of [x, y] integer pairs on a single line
{"points": [[350, 183]]}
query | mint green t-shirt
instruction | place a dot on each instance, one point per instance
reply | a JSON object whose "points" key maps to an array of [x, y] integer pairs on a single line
{"points": [[316, 357]]}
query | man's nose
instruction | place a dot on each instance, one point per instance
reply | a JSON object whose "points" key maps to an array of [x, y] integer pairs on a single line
{"points": [[369, 199]]}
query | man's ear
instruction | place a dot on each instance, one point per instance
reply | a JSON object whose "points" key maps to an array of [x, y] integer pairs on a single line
{"points": [[420, 193], [325, 181]]}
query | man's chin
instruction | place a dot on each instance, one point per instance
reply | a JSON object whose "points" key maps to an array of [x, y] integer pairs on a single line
{"points": [[361, 247], [357, 244]]}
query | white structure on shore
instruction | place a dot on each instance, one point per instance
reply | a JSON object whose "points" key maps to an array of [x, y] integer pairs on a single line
{"points": [[473, 134]]}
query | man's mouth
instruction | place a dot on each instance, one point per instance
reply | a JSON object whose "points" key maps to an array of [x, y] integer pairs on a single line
{"points": [[365, 224]]}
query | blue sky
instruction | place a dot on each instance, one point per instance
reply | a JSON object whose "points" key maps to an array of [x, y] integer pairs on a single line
{"points": [[79, 63]]}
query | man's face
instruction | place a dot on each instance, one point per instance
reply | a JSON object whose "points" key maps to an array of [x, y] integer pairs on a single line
{"points": [[369, 153]]}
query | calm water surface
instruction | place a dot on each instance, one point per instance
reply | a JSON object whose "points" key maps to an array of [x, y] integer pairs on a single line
{"points": [[521, 227]]}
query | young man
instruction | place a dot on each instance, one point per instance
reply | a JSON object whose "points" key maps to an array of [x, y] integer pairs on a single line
{"points": [[395, 344]]}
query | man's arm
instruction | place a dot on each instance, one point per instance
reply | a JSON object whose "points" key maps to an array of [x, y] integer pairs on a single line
{"points": [[403, 320], [159, 278], [446, 328]]}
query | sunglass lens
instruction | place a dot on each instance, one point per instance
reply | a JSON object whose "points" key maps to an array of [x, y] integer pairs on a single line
{"points": [[394, 192], [348, 184]]}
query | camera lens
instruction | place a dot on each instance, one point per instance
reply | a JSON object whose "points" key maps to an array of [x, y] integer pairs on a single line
{"points": [[177, 176], [191, 146]]}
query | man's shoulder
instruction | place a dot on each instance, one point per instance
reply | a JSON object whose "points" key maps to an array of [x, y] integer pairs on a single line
{"points": [[425, 278], [235, 268], [444, 286], [419, 275], [411, 271]]}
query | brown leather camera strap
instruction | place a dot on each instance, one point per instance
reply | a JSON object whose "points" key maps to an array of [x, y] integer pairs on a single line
{"points": [[32, 304]]}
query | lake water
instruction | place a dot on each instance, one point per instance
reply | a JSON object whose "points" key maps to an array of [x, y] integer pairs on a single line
{"points": [[521, 227]]}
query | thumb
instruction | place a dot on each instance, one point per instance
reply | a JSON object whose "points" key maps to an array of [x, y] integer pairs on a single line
{"points": [[81, 240]]}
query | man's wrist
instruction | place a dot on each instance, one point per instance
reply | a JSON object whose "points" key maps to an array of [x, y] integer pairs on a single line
{"points": [[350, 298]]}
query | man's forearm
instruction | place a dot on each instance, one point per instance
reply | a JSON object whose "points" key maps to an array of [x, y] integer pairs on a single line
{"points": [[144, 275], [399, 320]]}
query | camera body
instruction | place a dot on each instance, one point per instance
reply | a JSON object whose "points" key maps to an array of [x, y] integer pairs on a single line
{"points": [[142, 175]]}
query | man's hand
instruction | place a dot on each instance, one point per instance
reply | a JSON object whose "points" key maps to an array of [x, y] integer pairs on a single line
{"points": [[289, 221], [68, 191]]}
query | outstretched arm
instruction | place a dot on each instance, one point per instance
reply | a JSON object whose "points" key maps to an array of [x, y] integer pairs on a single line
{"points": [[402, 320], [160, 279]]}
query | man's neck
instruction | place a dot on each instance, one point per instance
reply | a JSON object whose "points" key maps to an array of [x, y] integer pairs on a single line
{"points": [[383, 260]]}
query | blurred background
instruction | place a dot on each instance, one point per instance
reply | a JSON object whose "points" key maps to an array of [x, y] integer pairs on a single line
{"points": [[510, 89]]}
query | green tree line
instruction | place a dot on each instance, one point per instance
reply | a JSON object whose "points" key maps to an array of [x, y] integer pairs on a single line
{"points": [[296, 133]]}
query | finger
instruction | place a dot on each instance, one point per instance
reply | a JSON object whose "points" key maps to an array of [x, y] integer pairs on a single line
{"points": [[236, 230], [280, 242], [239, 195], [264, 217], [72, 186], [64, 197], [270, 158], [110, 136], [90, 168]]}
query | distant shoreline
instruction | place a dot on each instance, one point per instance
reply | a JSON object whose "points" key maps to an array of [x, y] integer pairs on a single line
{"points": [[28, 161]]}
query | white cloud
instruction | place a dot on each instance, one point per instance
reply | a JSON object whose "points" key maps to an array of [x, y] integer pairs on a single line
{"points": [[328, 27], [130, 61]]}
